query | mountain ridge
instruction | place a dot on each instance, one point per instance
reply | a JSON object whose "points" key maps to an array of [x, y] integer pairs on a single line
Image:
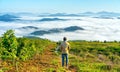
{"points": [[64, 14]]}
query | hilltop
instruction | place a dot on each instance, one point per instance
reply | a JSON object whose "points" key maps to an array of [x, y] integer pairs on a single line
{"points": [[38, 55]]}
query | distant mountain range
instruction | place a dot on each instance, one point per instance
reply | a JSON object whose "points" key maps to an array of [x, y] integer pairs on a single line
{"points": [[57, 30], [52, 19], [103, 13], [29, 27], [9, 17], [37, 30]]}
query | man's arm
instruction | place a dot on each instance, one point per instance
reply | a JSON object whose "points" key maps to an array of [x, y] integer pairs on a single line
{"points": [[60, 47]]}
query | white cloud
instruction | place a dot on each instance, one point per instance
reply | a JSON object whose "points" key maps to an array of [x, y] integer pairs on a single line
{"points": [[95, 29]]}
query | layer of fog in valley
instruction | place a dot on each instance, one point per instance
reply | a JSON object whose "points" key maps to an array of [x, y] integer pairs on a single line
{"points": [[91, 27]]}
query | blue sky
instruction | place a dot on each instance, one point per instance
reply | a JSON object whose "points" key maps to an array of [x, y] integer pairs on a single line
{"points": [[61, 6]]}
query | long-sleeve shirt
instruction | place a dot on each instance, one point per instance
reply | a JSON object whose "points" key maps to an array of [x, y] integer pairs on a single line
{"points": [[64, 47]]}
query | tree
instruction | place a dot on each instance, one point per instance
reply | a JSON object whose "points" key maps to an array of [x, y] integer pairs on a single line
{"points": [[26, 49], [9, 44]]}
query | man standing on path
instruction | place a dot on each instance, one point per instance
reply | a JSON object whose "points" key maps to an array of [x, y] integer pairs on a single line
{"points": [[64, 47]]}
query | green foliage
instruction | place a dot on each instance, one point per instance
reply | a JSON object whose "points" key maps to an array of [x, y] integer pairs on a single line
{"points": [[41, 44], [4, 69], [20, 48], [85, 56], [26, 49], [50, 70], [9, 45], [95, 56], [95, 48]]}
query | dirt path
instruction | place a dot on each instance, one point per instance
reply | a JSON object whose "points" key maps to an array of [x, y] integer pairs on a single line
{"points": [[47, 62]]}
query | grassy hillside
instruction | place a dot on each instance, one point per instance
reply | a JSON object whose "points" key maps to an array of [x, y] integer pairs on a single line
{"points": [[38, 55], [95, 56]]}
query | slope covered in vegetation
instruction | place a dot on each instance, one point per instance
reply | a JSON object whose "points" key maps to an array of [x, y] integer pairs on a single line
{"points": [[38, 55]]}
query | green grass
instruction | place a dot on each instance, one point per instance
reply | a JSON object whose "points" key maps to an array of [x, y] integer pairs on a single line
{"points": [[85, 56], [95, 56]]}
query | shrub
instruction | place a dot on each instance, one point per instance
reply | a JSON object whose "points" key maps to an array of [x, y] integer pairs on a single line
{"points": [[9, 45]]}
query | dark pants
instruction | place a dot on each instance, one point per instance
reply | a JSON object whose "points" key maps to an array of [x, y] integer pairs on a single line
{"points": [[65, 57]]}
